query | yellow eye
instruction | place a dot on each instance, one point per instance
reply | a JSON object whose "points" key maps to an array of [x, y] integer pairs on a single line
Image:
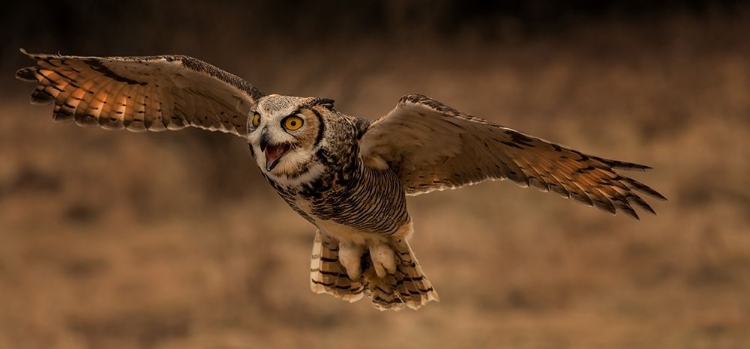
{"points": [[256, 120], [293, 123]]}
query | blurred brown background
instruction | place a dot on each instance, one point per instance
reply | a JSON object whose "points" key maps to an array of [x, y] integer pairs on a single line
{"points": [[172, 240]]}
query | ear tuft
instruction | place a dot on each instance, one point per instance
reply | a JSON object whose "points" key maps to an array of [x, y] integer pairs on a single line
{"points": [[326, 102]]}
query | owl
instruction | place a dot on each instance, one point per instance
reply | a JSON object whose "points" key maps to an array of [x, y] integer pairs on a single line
{"points": [[347, 176]]}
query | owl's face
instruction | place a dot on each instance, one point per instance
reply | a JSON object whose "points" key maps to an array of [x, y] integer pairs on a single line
{"points": [[285, 133]]}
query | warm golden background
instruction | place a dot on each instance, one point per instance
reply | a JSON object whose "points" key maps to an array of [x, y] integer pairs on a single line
{"points": [[172, 240]]}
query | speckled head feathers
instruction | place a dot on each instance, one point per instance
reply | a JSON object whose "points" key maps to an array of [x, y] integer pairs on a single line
{"points": [[278, 105]]}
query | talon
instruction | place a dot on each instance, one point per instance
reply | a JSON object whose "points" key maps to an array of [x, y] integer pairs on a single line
{"points": [[350, 257], [380, 270], [383, 259]]}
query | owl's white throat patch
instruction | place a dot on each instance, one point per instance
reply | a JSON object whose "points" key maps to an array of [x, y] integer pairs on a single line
{"points": [[295, 168], [302, 175]]}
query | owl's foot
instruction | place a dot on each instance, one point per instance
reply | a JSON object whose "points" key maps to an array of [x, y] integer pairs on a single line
{"points": [[383, 259], [356, 259], [350, 256], [388, 273]]}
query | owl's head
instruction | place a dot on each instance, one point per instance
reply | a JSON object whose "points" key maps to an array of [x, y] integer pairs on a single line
{"points": [[285, 133]]}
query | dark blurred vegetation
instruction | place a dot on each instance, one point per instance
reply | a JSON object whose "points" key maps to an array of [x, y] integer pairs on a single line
{"points": [[142, 26], [172, 240]]}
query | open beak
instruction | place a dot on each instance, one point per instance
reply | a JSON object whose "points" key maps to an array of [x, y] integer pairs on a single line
{"points": [[274, 152]]}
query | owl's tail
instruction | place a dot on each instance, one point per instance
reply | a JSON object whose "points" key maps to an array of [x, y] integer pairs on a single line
{"points": [[407, 287], [327, 275]]}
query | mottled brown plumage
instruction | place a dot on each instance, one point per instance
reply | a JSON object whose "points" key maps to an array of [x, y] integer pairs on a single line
{"points": [[141, 93], [472, 150], [345, 175]]}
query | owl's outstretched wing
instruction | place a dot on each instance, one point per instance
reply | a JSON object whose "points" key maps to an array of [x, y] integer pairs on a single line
{"points": [[432, 146], [141, 93]]}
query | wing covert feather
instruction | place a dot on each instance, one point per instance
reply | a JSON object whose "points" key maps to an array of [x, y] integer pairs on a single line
{"points": [[432, 146]]}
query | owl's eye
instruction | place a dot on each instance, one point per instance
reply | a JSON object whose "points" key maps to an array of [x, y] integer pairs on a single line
{"points": [[256, 120], [293, 123]]}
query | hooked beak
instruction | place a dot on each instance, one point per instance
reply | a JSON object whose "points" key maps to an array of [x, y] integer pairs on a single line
{"points": [[273, 152]]}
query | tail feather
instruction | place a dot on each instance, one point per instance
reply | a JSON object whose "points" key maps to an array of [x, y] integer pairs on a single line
{"points": [[407, 287], [327, 275]]}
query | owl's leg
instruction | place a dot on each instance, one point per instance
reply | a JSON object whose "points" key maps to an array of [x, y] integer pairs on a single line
{"points": [[350, 256]]}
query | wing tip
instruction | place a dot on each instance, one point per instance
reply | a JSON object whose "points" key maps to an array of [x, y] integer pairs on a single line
{"points": [[40, 97], [624, 165], [648, 191], [27, 74], [658, 196], [632, 214], [33, 56], [637, 167]]}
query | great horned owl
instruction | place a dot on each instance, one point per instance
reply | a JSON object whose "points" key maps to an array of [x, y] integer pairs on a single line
{"points": [[346, 175]]}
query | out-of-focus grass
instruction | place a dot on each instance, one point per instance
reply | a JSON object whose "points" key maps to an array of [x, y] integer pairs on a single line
{"points": [[172, 240]]}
